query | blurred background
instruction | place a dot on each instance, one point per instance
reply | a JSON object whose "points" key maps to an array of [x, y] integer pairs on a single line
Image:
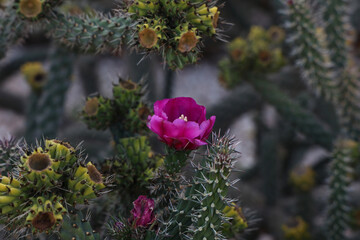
{"points": [[270, 147]]}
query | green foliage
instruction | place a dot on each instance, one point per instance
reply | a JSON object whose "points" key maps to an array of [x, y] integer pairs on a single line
{"points": [[96, 34], [77, 227], [199, 212], [336, 27], [46, 108], [308, 43], [125, 115], [174, 28], [133, 166], [338, 212], [10, 29], [348, 104], [259, 52], [302, 120], [49, 178], [10, 151]]}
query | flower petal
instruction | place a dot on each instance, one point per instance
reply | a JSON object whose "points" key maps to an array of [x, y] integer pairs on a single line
{"points": [[159, 108], [156, 124]]}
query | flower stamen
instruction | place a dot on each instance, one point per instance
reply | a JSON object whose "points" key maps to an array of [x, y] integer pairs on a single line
{"points": [[183, 117]]}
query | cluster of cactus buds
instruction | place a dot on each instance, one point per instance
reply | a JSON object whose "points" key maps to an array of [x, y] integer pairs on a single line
{"points": [[46, 182], [259, 52], [174, 28], [133, 165], [237, 223], [126, 111]]}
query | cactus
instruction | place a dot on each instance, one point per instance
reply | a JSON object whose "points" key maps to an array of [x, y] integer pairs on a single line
{"points": [[338, 212], [125, 115], [301, 119], [47, 177], [10, 29], [309, 51], [47, 109], [335, 18], [199, 213], [77, 227], [133, 166], [259, 52], [97, 34], [10, 152], [348, 107]]}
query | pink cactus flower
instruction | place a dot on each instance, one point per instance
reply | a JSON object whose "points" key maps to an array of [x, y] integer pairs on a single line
{"points": [[142, 213], [181, 123]]}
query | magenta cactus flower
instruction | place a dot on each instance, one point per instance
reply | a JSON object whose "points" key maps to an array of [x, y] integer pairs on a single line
{"points": [[181, 123], [142, 213]]}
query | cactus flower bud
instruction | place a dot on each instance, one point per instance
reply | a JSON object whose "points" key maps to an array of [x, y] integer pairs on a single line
{"points": [[142, 213]]}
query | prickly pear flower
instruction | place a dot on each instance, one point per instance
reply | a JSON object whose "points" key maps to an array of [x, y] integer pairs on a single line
{"points": [[181, 123], [30, 8], [142, 213]]}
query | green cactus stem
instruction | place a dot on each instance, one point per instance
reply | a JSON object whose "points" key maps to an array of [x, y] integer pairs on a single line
{"points": [[309, 48], [302, 120], [46, 109], [97, 34], [336, 28], [338, 211], [77, 227], [199, 213]]}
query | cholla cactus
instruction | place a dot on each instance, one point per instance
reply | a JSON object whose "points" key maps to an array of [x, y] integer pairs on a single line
{"points": [[50, 179], [10, 152], [125, 115], [133, 166], [174, 28], [259, 52], [237, 223], [311, 57], [199, 211], [338, 212]]}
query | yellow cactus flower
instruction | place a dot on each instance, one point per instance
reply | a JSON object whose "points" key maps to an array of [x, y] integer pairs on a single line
{"points": [[92, 106], [297, 229], [35, 75], [276, 34], [30, 8], [303, 178]]}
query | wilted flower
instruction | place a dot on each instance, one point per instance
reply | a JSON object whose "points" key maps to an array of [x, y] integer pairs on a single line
{"points": [[181, 123], [142, 213]]}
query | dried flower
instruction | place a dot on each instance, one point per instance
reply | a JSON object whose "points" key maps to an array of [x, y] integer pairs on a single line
{"points": [[181, 123]]}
